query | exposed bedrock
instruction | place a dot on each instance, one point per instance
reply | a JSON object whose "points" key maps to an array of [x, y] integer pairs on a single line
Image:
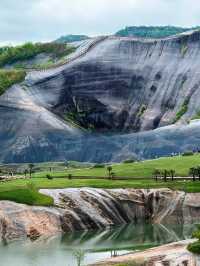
{"points": [[87, 208], [130, 87], [128, 84]]}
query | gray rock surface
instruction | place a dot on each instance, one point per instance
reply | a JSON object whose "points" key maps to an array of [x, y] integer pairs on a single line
{"points": [[119, 87]]}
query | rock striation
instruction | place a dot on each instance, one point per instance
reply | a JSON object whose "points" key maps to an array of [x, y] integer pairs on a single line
{"points": [[89, 208], [133, 88]]}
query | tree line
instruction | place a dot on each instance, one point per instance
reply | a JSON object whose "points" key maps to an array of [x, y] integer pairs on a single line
{"points": [[10, 54]]}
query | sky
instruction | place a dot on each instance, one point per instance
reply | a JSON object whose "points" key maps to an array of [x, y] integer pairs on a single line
{"points": [[45, 20]]}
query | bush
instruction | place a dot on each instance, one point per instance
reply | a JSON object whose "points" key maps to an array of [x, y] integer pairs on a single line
{"points": [[129, 161], [188, 153], [70, 176], [49, 177], [99, 165], [9, 78], [194, 247], [183, 110]]}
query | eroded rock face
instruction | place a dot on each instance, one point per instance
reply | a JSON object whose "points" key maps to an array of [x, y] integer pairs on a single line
{"points": [[88, 208], [18, 220], [127, 84], [122, 86], [115, 206]]}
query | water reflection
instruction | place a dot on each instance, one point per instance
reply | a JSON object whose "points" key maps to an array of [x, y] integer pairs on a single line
{"points": [[88, 247]]}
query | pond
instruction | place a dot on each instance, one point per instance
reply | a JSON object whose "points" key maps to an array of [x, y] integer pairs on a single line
{"points": [[90, 246]]}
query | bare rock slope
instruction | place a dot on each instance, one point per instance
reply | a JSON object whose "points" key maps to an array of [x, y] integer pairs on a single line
{"points": [[86, 208], [124, 86]]}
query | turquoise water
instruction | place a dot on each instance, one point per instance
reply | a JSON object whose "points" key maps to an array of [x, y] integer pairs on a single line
{"points": [[91, 246]]}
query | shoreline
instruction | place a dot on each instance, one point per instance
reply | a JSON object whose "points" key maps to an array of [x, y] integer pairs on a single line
{"points": [[174, 254]]}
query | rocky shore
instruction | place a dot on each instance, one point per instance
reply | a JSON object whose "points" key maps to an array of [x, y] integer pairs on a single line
{"points": [[174, 254], [89, 208]]}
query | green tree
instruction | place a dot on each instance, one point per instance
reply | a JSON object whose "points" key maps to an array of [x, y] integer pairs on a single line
{"points": [[172, 173], [79, 255], [109, 169], [30, 166], [165, 174], [192, 172], [156, 174]]}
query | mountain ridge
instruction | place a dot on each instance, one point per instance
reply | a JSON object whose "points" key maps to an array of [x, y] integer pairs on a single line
{"points": [[153, 31]]}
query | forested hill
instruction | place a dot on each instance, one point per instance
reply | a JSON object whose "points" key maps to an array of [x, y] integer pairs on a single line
{"points": [[152, 32], [71, 38]]}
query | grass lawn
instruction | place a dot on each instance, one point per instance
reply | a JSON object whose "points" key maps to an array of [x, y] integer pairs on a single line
{"points": [[27, 196], [139, 175], [19, 191], [144, 169]]}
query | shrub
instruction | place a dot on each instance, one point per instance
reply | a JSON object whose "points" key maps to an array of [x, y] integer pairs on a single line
{"points": [[188, 153], [99, 165], [49, 177], [129, 161], [194, 247], [141, 110], [70, 176], [9, 78], [183, 110]]}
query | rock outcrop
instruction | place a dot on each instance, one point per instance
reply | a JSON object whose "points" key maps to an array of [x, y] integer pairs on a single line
{"points": [[119, 85], [88, 208], [21, 221]]}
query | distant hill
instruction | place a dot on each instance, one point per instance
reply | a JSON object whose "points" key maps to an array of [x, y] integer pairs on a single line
{"points": [[71, 38], [152, 32], [33, 55]]}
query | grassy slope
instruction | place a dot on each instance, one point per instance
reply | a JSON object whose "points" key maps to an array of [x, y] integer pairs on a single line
{"points": [[139, 173], [101, 183], [10, 77], [27, 196], [180, 164]]}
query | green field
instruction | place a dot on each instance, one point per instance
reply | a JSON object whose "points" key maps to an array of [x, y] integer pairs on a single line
{"points": [[132, 175], [143, 169], [17, 190]]}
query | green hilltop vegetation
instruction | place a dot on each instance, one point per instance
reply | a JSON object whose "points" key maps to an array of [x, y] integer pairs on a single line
{"points": [[17, 60], [9, 78], [138, 175], [152, 32], [71, 38], [10, 55]]}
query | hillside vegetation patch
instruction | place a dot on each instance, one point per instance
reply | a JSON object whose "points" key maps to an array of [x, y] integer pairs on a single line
{"points": [[9, 78], [10, 55], [182, 111]]}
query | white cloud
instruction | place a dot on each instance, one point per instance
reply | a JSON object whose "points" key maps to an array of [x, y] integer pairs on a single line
{"points": [[22, 20]]}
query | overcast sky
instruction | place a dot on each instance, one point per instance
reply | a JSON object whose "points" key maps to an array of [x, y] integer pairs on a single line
{"points": [[43, 20]]}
